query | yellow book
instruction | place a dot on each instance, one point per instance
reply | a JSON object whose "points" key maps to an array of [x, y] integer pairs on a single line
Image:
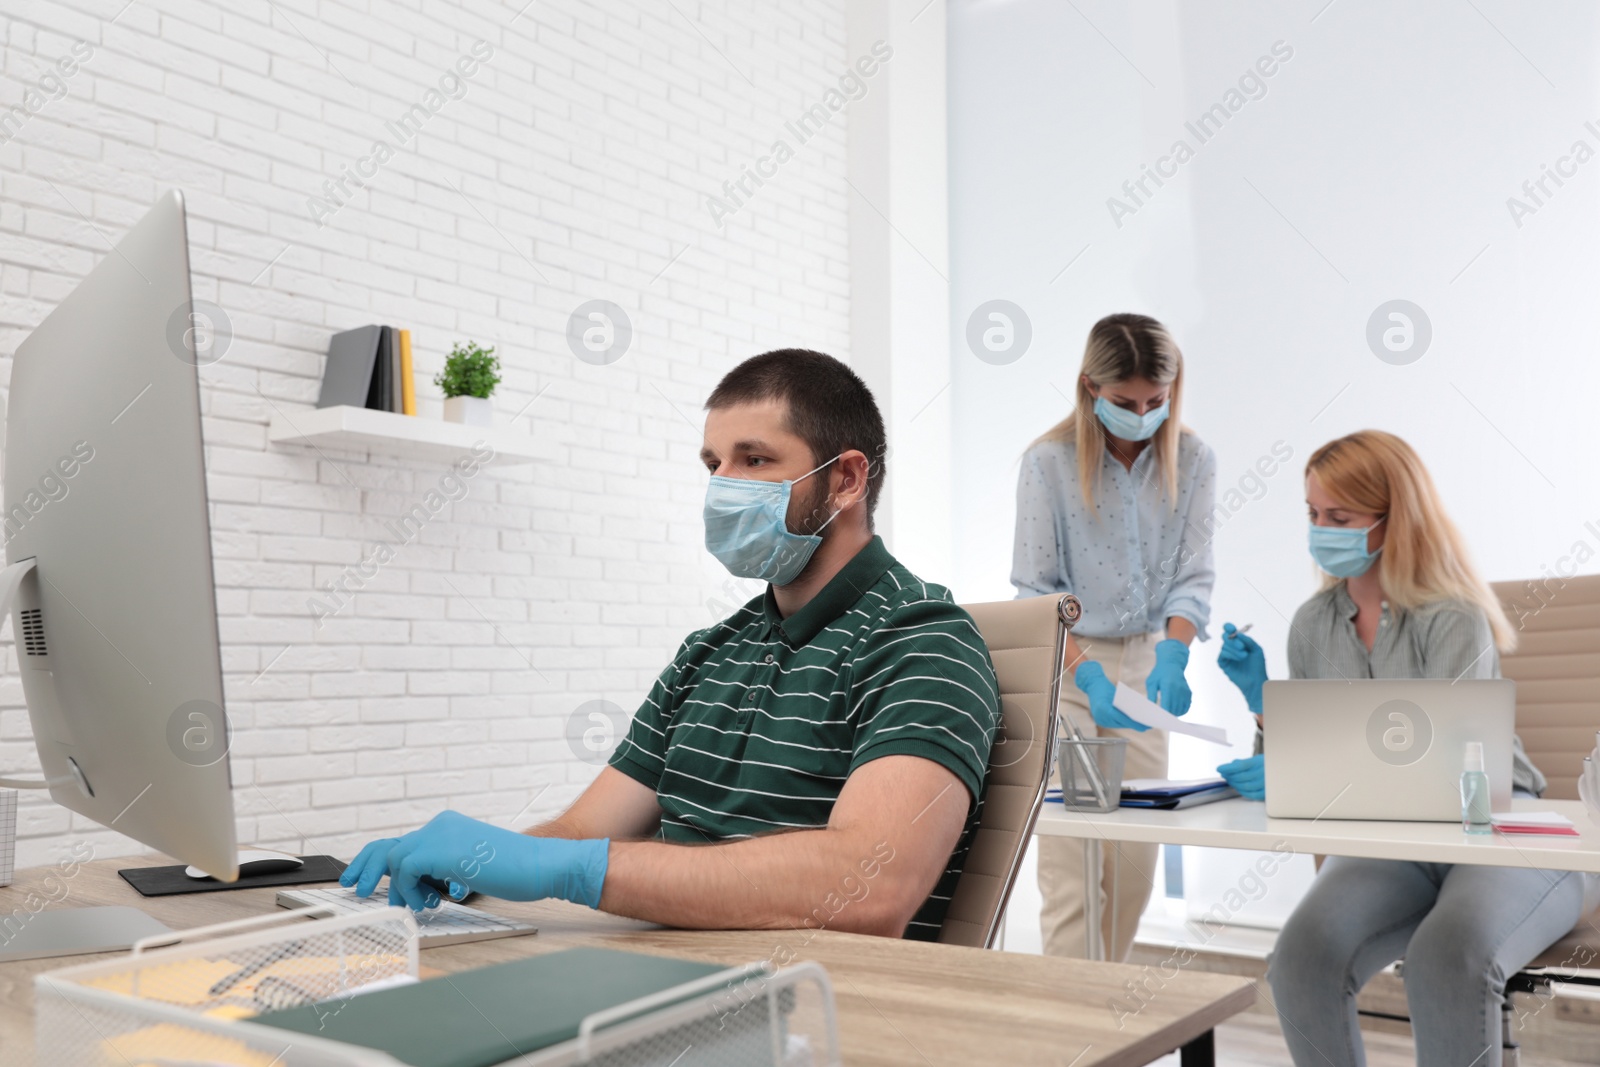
{"points": [[408, 388]]}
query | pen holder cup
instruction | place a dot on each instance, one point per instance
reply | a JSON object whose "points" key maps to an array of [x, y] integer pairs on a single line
{"points": [[1091, 772]]}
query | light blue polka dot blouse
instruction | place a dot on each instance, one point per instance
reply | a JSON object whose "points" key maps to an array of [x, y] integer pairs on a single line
{"points": [[1132, 561]]}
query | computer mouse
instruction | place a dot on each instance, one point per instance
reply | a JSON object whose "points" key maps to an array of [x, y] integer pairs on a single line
{"points": [[443, 889], [257, 861]]}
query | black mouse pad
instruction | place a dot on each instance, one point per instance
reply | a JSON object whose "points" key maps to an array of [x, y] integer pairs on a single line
{"points": [[167, 881]]}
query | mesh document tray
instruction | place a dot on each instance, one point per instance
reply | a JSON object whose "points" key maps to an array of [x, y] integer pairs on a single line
{"points": [[193, 1003]]}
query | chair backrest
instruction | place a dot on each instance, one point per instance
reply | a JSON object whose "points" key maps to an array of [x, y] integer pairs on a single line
{"points": [[1027, 641], [1557, 670]]}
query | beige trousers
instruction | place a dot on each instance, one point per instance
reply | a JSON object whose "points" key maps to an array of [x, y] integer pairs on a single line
{"points": [[1061, 860]]}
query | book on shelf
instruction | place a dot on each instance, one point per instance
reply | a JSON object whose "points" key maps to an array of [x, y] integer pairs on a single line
{"points": [[396, 401], [347, 377], [369, 367], [408, 387], [378, 389]]}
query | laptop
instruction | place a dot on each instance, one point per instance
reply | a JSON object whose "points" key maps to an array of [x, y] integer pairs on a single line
{"points": [[1383, 749]]}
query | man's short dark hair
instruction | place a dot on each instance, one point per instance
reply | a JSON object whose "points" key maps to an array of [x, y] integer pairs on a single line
{"points": [[830, 407]]}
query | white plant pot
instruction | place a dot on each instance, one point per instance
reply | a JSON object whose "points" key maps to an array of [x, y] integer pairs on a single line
{"points": [[470, 410]]}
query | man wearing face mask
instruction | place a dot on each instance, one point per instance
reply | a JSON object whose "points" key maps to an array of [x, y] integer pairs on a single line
{"points": [[817, 758]]}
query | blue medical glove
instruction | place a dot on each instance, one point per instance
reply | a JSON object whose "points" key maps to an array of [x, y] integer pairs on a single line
{"points": [[467, 855], [1248, 776], [1242, 660], [1165, 683], [1091, 678]]}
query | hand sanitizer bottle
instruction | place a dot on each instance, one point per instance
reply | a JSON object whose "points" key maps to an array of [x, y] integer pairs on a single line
{"points": [[1474, 792]]}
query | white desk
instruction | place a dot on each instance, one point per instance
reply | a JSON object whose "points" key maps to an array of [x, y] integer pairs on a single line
{"points": [[1240, 823], [1244, 823]]}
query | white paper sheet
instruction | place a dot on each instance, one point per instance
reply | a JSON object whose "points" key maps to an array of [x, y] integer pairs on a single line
{"points": [[1531, 818], [1141, 710]]}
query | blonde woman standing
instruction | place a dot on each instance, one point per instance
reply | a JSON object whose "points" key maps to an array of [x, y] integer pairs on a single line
{"points": [[1111, 505], [1400, 599]]}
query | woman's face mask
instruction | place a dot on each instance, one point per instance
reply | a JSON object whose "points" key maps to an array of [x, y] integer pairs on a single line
{"points": [[1123, 423], [1342, 550]]}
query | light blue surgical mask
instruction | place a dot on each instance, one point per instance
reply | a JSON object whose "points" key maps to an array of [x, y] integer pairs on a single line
{"points": [[1342, 551], [1124, 424], [747, 528]]}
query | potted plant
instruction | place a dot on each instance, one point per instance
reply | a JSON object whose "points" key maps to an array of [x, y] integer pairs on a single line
{"points": [[468, 379]]}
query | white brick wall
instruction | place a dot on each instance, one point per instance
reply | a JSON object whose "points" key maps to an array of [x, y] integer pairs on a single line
{"points": [[575, 167]]}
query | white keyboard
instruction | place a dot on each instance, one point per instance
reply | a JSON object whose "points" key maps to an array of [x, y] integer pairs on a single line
{"points": [[448, 924]]}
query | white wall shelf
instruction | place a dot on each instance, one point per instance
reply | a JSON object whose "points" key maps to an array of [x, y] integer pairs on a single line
{"points": [[407, 436]]}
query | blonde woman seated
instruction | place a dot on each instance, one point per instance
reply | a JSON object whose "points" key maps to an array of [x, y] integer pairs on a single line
{"points": [[1400, 600]]}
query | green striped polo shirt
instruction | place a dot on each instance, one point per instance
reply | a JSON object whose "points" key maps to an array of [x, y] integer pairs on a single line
{"points": [[757, 722]]}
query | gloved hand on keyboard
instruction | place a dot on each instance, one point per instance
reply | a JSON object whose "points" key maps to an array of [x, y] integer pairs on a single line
{"points": [[465, 854], [1091, 678], [1248, 776], [1165, 684], [1242, 660]]}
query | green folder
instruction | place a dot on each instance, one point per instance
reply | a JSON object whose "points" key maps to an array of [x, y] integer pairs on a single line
{"points": [[493, 1014]]}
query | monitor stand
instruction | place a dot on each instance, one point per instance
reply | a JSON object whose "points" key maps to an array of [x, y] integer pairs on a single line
{"points": [[74, 932]]}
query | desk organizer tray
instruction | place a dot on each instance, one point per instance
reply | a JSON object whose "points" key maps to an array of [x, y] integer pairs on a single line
{"points": [[192, 998]]}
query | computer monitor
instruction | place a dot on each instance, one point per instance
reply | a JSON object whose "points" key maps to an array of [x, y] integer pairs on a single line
{"points": [[108, 546]]}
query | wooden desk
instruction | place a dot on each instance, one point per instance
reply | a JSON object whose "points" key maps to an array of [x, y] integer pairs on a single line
{"points": [[899, 1002]]}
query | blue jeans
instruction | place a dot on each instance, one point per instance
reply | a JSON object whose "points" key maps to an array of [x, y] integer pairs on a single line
{"points": [[1463, 930]]}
